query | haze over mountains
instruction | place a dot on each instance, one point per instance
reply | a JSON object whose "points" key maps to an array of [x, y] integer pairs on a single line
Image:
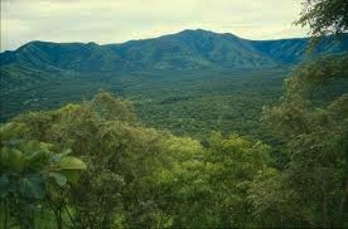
{"points": [[189, 49]]}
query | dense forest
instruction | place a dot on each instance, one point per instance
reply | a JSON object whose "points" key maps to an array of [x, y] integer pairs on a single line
{"points": [[264, 148]]}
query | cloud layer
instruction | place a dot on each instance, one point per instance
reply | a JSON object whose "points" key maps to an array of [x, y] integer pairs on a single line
{"points": [[115, 21]]}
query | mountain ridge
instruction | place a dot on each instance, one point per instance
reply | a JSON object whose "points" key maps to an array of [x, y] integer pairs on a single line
{"points": [[188, 49]]}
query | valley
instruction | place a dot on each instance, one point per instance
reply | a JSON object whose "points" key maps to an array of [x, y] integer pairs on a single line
{"points": [[171, 80], [185, 102], [189, 130]]}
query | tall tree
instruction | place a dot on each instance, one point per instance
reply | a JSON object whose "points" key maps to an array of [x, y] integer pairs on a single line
{"points": [[312, 123]]}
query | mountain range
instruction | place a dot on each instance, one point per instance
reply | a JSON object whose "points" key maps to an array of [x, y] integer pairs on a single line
{"points": [[189, 49], [187, 67]]}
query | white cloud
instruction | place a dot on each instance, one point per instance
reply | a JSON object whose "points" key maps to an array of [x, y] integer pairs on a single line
{"points": [[105, 21]]}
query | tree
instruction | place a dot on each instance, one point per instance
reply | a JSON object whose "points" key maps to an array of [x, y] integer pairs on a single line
{"points": [[324, 16], [312, 124], [236, 163], [119, 154]]}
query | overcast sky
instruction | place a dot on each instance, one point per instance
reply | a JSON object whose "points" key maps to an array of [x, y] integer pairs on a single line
{"points": [[116, 21]]}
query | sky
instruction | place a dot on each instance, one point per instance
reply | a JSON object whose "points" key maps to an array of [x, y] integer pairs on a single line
{"points": [[117, 21]]}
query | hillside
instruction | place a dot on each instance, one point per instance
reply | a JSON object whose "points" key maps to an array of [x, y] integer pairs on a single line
{"points": [[169, 79], [189, 49]]}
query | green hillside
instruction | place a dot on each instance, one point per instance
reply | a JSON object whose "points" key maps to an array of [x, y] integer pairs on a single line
{"points": [[189, 49], [171, 79], [189, 130]]}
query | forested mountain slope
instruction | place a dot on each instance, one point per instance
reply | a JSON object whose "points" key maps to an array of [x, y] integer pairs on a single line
{"points": [[189, 49], [171, 79]]}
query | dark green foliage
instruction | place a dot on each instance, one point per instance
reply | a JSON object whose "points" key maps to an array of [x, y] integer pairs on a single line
{"points": [[188, 102], [138, 177], [316, 75], [28, 167], [324, 16], [311, 189], [135, 177], [93, 164]]}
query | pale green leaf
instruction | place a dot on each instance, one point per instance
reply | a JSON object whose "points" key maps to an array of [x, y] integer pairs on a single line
{"points": [[71, 163]]}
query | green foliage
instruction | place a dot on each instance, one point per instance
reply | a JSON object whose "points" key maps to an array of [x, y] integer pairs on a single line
{"points": [[324, 16], [133, 176], [311, 188], [186, 103], [27, 167], [238, 163], [94, 165], [312, 76]]}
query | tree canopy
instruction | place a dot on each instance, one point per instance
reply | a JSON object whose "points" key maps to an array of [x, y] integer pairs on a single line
{"points": [[324, 16]]}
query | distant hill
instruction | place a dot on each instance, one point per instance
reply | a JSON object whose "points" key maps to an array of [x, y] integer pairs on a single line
{"points": [[154, 73], [189, 49]]}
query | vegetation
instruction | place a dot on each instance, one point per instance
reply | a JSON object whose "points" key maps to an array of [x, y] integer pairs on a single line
{"points": [[133, 176], [314, 136], [96, 164], [324, 16], [186, 103]]}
